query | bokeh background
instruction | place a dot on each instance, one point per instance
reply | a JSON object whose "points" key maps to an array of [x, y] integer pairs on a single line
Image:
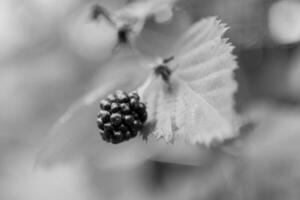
{"points": [[51, 54]]}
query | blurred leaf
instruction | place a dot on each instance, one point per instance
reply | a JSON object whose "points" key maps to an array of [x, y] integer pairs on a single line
{"points": [[284, 23], [269, 163]]}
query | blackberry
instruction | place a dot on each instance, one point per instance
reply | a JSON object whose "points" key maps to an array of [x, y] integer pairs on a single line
{"points": [[114, 107], [134, 95], [121, 116], [104, 104], [116, 119]]}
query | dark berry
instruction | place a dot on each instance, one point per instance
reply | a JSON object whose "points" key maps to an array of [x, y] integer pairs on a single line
{"points": [[121, 97], [143, 117], [137, 124], [121, 117], [108, 127], [135, 115], [117, 137], [124, 131], [105, 104], [100, 123], [106, 136], [101, 133], [114, 107], [125, 109], [134, 104], [128, 120], [134, 95], [104, 115], [116, 119], [111, 98], [123, 128], [127, 135], [141, 108]]}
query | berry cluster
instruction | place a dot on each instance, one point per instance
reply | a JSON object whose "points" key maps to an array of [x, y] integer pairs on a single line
{"points": [[121, 116]]}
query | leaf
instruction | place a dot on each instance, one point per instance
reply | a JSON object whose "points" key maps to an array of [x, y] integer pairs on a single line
{"points": [[208, 68], [201, 32], [181, 113], [198, 103]]}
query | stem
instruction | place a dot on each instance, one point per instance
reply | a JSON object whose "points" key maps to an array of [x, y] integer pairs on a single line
{"points": [[168, 59], [164, 72]]}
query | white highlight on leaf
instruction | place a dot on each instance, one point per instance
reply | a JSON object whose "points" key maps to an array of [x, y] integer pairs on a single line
{"points": [[198, 104]]}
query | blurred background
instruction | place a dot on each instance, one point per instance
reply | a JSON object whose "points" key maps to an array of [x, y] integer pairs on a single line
{"points": [[51, 54]]}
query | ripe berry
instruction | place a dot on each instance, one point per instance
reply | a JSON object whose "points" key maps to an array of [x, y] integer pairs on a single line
{"points": [[116, 119], [134, 103], [108, 127], [123, 128], [121, 96], [114, 107], [137, 124], [121, 116], [143, 117], [140, 108], [128, 135], [104, 104], [134, 95], [105, 135], [104, 116], [111, 98], [117, 137], [125, 109], [100, 123], [128, 120]]}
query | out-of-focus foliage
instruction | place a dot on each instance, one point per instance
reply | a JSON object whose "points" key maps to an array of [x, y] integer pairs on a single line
{"points": [[284, 21], [51, 55], [294, 73]]}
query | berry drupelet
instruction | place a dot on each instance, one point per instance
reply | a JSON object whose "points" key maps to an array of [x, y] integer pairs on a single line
{"points": [[121, 117]]}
